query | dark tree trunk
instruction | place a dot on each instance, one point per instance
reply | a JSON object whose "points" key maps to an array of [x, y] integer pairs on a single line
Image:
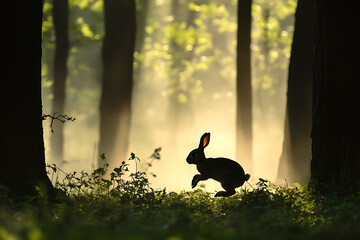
{"points": [[335, 130], [244, 102], [118, 51], [60, 15], [295, 160], [22, 146]]}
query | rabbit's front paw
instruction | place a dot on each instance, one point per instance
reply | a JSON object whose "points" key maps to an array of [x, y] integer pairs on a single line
{"points": [[195, 181], [197, 178]]}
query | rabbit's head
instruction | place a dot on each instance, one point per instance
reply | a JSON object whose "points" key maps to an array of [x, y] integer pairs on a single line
{"points": [[197, 155]]}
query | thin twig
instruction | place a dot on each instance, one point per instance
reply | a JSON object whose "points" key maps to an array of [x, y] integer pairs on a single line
{"points": [[59, 117], [250, 184]]}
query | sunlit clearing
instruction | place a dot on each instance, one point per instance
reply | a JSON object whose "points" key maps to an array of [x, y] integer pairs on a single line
{"points": [[184, 86]]}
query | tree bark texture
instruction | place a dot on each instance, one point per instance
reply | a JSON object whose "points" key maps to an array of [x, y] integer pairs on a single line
{"points": [[61, 19], [22, 146], [243, 88], [117, 56], [295, 160], [335, 130]]}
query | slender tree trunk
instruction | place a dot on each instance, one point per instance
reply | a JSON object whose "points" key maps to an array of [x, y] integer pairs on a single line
{"points": [[295, 160], [22, 146], [244, 102], [118, 51], [335, 130], [61, 15]]}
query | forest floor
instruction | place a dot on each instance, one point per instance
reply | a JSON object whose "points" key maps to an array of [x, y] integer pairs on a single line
{"points": [[92, 207]]}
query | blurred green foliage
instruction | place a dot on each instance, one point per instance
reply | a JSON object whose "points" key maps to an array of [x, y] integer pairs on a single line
{"points": [[192, 48], [86, 34], [272, 37], [181, 49]]}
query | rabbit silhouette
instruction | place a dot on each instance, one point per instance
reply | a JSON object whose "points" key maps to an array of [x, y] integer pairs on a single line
{"points": [[228, 172]]}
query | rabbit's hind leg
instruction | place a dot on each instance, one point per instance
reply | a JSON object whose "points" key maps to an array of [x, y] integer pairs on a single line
{"points": [[229, 183], [227, 193], [229, 189]]}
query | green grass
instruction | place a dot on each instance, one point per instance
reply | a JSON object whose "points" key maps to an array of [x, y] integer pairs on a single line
{"points": [[128, 208], [260, 214]]}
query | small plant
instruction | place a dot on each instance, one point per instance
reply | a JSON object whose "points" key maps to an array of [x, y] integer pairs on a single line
{"points": [[117, 174], [262, 184], [155, 156], [135, 159], [99, 183]]}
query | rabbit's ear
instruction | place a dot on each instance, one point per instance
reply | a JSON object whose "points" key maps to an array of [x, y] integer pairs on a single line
{"points": [[204, 141]]}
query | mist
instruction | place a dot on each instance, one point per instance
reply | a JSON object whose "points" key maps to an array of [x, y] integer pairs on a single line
{"points": [[179, 93]]}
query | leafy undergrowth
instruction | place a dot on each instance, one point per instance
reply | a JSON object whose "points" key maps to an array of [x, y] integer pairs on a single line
{"points": [[90, 206]]}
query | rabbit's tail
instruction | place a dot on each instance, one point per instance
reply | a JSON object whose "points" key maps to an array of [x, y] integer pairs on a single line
{"points": [[247, 177]]}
